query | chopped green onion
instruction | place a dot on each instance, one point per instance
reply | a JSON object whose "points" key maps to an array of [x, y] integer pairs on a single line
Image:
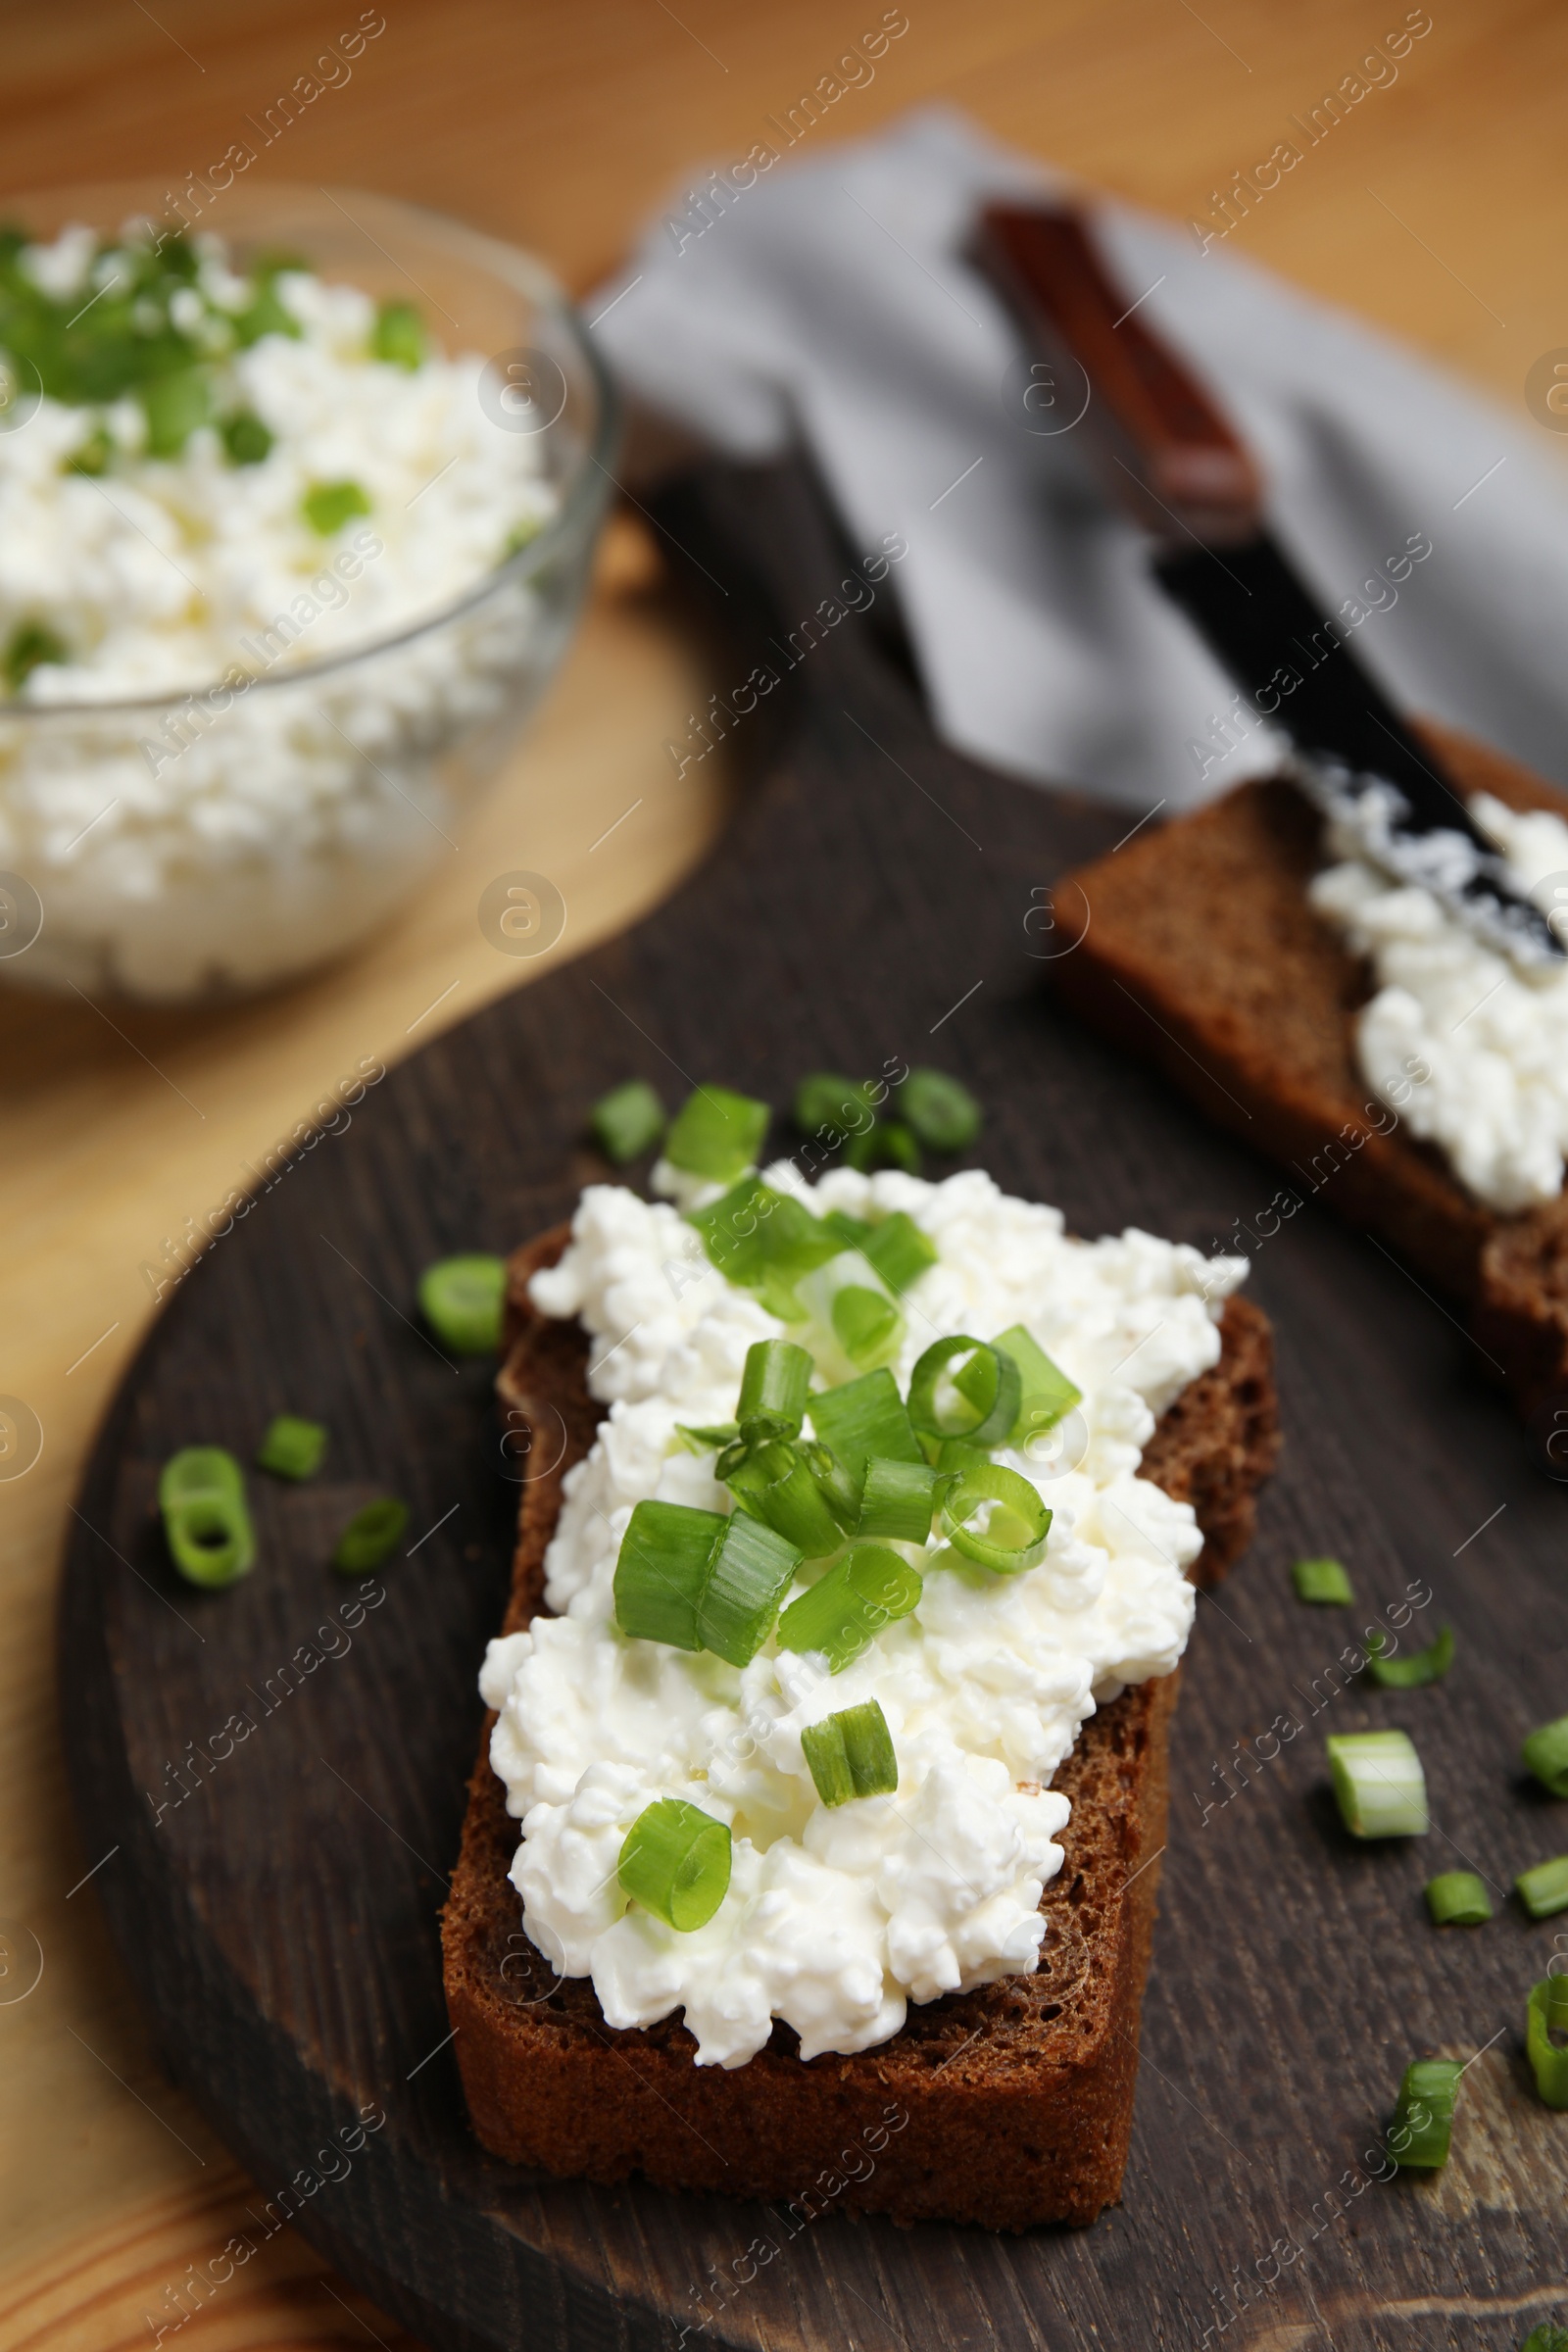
{"points": [[898, 1500], [370, 1537], [201, 1494], [1422, 1666], [866, 1417], [1018, 1523], [1049, 1396], [398, 335], [1423, 2115], [627, 1120], [1545, 1754], [697, 1579], [676, 1861], [246, 438], [773, 1481], [844, 1612], [1547, 2013], [29, 646], [1543, 1891], [866, 1324], [900, 1251], [850, 1754], [93, 456], [1322, 1583], [716, 1134], [853, 1231], [708, 1440], [957, 1456], [824, 1099], [989, 1384], [195, 1473], [885, 1144], [773, 1390], [173, 406], [292, 1447], [462, 1299], [839, 1492], [943, 1114], [1458, 1898], [765, 1241], [266, 314], [1547, 2337], [1379, 1782], [327, 505]]}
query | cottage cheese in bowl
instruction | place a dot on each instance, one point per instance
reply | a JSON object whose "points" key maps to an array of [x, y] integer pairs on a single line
{"points": [[837, 1917], [279, 576]]}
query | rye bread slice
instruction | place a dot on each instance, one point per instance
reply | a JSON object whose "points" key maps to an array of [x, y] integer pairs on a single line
{"points": [[1011, 2105], [1200, 950]]}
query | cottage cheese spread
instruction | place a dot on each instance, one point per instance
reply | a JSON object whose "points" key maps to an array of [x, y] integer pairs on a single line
{"points": [[835, 1920], [1493, 1034]]}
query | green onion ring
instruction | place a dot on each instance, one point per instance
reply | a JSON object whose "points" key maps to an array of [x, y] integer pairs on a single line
{"points": [[989, 1482], [676, 1861], [994, 1410]]}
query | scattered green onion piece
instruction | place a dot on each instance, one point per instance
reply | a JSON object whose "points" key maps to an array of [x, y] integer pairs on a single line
{"points": [[845, 1611], [1014, 1537], [1543, 1891], [1547, 2337], [246, 438], [956, 1456], [201, 1494], [197, 1471], [824, 1099], [398, 335], [716, 1134], [899, 1500], [210, 1539], [850, 1754], [29, 646], [775, 1387], [92, 457], [266, 314], [943, 1114], [1545, 1754], [370, 1537], [696, 1579], [292, 1447], [173, 406], [676, 1861], [627, 1120], [853, 1231], [327, 505], [708, 1440], [865, 1323], [773, 1481], [1378, 1781], [900, 1251], [461, 1299], [1049, 1396], [1421, 1667], [1458, 1898], [1423, 2115], [989, 1383], [866, 1417], [1547, 2013], [765, 1241], [1324, 1584], [885, 1144]]}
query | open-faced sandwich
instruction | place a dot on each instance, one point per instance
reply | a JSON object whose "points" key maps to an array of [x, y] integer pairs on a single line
{"points": [[1401, 1071], [825, 1782]]}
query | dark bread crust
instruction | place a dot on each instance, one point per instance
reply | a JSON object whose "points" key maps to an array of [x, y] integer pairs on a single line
{"points": [[1200, 951], [1011, 2105]]}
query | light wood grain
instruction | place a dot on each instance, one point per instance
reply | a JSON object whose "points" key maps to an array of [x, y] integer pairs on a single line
{"points": [[1438, 208]]}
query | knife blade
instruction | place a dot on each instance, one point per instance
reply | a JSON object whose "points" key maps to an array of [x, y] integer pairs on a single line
{"points": [[1173, 460]]}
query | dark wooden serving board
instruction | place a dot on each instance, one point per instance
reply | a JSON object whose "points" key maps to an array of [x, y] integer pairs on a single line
{"points": [[873, 899]]}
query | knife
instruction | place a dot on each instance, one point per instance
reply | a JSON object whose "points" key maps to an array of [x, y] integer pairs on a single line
{"points": [[1176, 465]]}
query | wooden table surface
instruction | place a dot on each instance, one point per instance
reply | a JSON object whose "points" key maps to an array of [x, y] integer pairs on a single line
{"points": [[1439, 208]]}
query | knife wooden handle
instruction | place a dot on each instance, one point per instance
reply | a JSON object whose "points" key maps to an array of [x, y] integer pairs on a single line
{"points": [[1166, 451]]}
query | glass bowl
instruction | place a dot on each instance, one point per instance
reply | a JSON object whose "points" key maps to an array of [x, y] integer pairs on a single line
{"points": [[191, 846]]}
